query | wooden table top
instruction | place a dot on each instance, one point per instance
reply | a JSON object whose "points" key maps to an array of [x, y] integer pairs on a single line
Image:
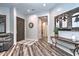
{"points": [[65, 39]]}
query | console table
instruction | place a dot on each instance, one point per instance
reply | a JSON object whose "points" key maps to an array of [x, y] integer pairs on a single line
{"points": [[6, 41], [76, 43]]}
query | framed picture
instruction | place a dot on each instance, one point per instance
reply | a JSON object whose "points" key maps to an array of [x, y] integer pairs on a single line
{"points": [[31, 25]]}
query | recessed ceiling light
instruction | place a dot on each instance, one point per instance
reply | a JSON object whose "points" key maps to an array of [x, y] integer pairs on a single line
{"points": [[59, 9], [28, 10], [44, 4]]}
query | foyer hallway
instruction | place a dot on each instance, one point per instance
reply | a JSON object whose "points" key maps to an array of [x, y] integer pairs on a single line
{"points": [[33, 48]]}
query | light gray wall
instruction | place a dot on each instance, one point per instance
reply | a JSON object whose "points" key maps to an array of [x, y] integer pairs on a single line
{"points": [[11, 20], [32, 33]]}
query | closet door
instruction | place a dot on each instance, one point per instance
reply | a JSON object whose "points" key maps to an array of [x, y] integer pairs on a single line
{"points": [[20, 29]]}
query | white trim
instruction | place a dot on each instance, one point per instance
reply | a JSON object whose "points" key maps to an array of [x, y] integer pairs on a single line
{"points": [[76, 14], [15, 32]]}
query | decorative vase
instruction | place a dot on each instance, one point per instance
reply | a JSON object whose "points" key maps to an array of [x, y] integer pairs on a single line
{"points": [[56, 35]]}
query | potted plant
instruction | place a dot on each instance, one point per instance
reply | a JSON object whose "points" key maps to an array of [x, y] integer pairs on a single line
{"points": [[56, 32]]}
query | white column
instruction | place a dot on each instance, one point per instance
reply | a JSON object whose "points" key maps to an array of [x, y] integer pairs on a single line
{"points": [[13, 22], [15, 26]]}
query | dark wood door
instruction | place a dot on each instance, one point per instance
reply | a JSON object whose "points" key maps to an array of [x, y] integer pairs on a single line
{"points": [[20, 29]]}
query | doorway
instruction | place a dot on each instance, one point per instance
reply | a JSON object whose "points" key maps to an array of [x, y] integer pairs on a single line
{"points": [[43, 23], [20, 29]]}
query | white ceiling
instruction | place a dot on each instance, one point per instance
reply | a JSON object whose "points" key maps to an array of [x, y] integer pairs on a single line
{"points": [[34, 7]]}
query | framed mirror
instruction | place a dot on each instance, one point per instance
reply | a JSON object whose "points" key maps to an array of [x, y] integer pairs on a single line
{"points": [[75, 20], [2, 23]]}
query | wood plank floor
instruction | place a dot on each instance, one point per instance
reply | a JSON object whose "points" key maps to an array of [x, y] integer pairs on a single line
{"points": [[33, 48]]}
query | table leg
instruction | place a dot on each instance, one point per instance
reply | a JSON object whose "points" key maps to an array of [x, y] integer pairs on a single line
{"points": [[76, 50]]}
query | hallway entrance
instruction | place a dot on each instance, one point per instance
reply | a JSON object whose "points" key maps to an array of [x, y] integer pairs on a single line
{"points": [[43, 23]]}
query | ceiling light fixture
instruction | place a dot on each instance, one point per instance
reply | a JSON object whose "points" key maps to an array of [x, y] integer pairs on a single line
{"points": [[28, 10], [59, 9], [44, 4]]}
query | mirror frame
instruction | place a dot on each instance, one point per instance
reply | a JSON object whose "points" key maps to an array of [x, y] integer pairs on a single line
{"points": [[4, 19]]}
